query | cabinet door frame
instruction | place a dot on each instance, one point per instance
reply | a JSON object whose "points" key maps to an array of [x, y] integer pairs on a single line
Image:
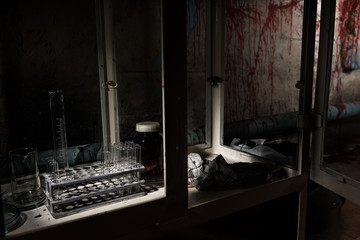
{"points": [[173, 44], [334, 181]]}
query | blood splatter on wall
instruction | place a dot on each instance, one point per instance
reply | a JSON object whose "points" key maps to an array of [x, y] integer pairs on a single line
{"points": [[262, 58], [345, 84]]}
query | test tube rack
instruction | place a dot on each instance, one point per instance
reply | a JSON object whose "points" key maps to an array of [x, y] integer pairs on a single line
{"points": [[82, 187]]}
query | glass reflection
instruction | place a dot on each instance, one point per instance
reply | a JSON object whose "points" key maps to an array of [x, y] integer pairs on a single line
{"points": [[137, 47], [196, 70], [54, 50], [342, 136], [262, 65]]}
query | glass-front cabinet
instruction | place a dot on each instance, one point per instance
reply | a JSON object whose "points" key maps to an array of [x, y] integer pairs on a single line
{"points": [[129, 119], [253, 62], [335, 146], [92, 125]]}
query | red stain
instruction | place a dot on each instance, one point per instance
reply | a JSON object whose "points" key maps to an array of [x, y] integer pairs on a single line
{"points": [[345, 44], [348, 31], [341, 108], [251, 42]]}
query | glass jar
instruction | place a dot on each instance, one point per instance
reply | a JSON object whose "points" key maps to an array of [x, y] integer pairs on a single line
{"points": [[148, 137]]}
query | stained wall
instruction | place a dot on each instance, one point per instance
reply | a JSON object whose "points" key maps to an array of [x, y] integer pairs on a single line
{"points": [[46, 45]]}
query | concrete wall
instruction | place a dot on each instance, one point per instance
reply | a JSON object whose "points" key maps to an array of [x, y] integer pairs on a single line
{"points": [[137, 30], [263, 54], [262, 58], [45, 46], [345, 75], [196, 63], [52, 45]]}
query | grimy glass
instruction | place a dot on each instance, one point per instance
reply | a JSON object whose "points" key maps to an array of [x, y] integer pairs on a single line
{"points": [[25, 181]]}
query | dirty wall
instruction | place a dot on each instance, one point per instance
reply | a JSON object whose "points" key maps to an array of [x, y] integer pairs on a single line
{"points": [[47, 45]]}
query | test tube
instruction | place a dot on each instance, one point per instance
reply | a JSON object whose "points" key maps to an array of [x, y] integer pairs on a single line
{"points": [[52, 168], [105, 161], [129, 156], [122, 157], [114, 155], [117, 160], [132, 157], [137, 154]]}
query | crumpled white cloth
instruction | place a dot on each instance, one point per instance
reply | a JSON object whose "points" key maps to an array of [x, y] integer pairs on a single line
{"points": [[195, 167]]}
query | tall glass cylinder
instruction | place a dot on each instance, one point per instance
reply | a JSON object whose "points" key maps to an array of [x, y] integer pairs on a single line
{"points": [[59, 128]]}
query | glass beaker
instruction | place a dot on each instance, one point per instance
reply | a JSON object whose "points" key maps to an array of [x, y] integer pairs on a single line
{"points": [[25, 181]]}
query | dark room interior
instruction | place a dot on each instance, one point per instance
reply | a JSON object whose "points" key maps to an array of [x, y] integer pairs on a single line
{"points": [[193, 119]]}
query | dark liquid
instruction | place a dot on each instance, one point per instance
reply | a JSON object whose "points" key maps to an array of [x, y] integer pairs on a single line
{"points": [[151, 152]]}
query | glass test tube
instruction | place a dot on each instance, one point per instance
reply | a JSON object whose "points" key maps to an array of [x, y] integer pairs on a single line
{"points": [[106, 161], [52, 168], [138, 153], [122, 156]]}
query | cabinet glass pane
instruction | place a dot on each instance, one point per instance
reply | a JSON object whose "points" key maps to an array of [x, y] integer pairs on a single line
{"points": [[66, 46], [137, 49], [262, 66], [49, 46], [342, 136], [196, 70]]}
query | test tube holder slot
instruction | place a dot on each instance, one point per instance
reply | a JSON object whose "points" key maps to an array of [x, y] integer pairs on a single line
{"points": [[87, 186]]}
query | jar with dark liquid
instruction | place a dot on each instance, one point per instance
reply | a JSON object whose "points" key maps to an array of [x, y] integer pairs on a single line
{"points": [[148, 137]]}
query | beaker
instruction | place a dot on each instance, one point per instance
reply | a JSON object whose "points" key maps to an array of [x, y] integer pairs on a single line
{"points": [[25, 181]]}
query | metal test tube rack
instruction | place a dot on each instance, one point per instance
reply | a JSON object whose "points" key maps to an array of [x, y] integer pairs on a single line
{"points": [[70, 190], [85, 186]]}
